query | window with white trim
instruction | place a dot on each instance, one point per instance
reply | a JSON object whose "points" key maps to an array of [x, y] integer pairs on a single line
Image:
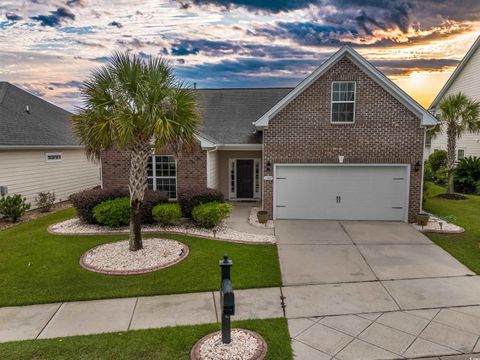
{"points": [[460, 154], [162, 174], [343, 101], [52, 157]]}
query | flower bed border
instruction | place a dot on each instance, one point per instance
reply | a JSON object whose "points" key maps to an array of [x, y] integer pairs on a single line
{"points": [[260, 354], [94, 269], [161, 232]]}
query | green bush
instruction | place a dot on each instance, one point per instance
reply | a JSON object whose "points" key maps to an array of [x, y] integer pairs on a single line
{"points": [[211, 214], [437, 160], [13, 207], [113, 213], [189, 199], [467, 176], [167, 214], [440, 176], [45, 201]]}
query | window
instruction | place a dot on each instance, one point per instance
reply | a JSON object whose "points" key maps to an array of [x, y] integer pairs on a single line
{"points": [[343, 101], [162, 174], [460, 154], [51, 157]]}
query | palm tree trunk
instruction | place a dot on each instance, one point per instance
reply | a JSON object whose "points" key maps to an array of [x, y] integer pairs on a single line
{"points": [[451, 157], [139, 154]]}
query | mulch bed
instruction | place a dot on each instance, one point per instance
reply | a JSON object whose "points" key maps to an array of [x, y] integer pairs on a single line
{"points": [[33, 214], [452, 196]]}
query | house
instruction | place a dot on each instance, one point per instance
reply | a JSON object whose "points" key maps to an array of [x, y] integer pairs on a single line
{"points": [[38, 152], [465, 78], [346, 143]]}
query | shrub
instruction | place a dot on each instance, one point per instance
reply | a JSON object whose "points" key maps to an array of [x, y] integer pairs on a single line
{"points": [[84, 201], [167, 214], [190, 199], [440, 176], [45, 201], [113, 213], [437, 160], [151, 199], [13, 207], [211, 214], [429, 175], [467, 175]]}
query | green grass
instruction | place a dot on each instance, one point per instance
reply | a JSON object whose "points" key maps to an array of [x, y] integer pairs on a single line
{"points": [[165, 344], [38, 267], [465, 213]]}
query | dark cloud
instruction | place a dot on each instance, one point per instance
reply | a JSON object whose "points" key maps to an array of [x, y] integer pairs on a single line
{"points": [[405, 67], [66, 85], [12, 16], [55, 18], [115, 23], [76, 3], [217, 48], [272, 6]]}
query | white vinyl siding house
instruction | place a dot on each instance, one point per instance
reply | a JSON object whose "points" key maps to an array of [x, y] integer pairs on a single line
{"points": [[38, 151], [28, 172], [466, 78]]}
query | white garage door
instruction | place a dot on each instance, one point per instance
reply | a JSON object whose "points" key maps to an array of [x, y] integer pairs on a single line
{"points": [[341, 192]]}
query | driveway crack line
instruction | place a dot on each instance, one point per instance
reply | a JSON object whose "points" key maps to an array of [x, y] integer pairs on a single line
{"points": [[133, 314], [49, 320]]}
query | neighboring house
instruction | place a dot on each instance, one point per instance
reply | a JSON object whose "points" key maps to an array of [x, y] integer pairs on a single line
{"points": [[38, 152], [346, 143], [465, 78]]}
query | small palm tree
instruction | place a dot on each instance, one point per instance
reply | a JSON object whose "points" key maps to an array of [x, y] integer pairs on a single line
{"points": [[134, 105], [458, 114]]}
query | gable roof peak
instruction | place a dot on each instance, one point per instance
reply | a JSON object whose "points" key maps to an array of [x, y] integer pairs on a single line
{"points": [[427, 119]]}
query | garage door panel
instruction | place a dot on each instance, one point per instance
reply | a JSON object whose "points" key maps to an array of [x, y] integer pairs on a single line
{"points": [[365, 192]]}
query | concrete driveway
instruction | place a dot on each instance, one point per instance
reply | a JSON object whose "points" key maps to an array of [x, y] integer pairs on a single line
{"points": [[328, 252]]}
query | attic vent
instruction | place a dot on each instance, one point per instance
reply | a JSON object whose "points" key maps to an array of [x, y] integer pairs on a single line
{"points": [[27, 109]]}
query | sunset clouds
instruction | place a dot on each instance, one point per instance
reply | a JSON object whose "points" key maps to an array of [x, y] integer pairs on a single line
{"points": [[49, 47]]}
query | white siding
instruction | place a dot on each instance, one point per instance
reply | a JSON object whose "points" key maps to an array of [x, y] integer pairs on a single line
{"points": [[27, 172], [212, 170], [467, 81]]}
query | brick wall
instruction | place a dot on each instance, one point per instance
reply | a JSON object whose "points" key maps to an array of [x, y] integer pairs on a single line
{"points": [[191, 169], [384, 132]]}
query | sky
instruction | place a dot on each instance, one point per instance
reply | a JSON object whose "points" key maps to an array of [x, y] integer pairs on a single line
{"points": [[48, 47]]}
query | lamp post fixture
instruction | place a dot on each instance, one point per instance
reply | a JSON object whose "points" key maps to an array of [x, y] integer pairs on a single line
{"points": [[227, 300]]}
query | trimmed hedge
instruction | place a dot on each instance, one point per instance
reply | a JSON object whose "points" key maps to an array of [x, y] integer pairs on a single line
{"points": [[113, 213], [211, 214], [190, 199], [85, 201], [167, 214]]}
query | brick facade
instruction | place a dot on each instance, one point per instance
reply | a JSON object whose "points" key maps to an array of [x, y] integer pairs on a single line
{"points": [[191, 169], [384, 132]]}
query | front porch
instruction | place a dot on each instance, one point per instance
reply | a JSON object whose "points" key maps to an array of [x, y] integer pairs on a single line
{"points": [[236, 173]]}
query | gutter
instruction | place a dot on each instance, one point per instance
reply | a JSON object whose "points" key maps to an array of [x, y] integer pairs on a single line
{"points": [[39, 147]]}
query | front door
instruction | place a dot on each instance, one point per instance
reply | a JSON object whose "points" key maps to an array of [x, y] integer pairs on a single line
{"points": [[244, 179]]}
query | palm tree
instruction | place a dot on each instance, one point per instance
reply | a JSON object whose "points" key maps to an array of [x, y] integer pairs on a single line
{"points": [[458, 114], [134, 105]]}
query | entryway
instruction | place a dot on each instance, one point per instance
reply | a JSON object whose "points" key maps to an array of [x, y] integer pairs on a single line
{"points": [[245, 181]]}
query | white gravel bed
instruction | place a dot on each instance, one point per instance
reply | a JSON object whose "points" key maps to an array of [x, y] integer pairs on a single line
{"points": [[75, 226], [437, 225], [253, 220], [116, 258], [244, 346]]}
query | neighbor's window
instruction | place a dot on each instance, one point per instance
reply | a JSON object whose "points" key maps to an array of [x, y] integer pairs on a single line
{"points": [[162, 174], [51, 157], [343, 101], [460, 154]]}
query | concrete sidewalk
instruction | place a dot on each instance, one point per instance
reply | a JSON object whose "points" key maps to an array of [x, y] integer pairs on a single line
{"points": [[111, 315]]}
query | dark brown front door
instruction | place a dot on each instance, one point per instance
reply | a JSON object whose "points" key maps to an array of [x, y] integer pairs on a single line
{"points": [[244, 179]]}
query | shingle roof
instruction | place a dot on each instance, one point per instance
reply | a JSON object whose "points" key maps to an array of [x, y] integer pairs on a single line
{"points": [[44, 125], [228, 114]]}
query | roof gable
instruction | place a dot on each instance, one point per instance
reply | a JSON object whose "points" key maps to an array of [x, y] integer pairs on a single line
{"points": [[427, 119], [473, 49]]}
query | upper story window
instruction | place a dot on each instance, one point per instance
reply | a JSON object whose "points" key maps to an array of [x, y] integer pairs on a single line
{"points": [[460, 154], [162, 174], [343, 101], [51, 157]]}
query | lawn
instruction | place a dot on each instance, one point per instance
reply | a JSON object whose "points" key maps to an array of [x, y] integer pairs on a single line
{"points": [[466, 213], [165, 344], [39, 267]]}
